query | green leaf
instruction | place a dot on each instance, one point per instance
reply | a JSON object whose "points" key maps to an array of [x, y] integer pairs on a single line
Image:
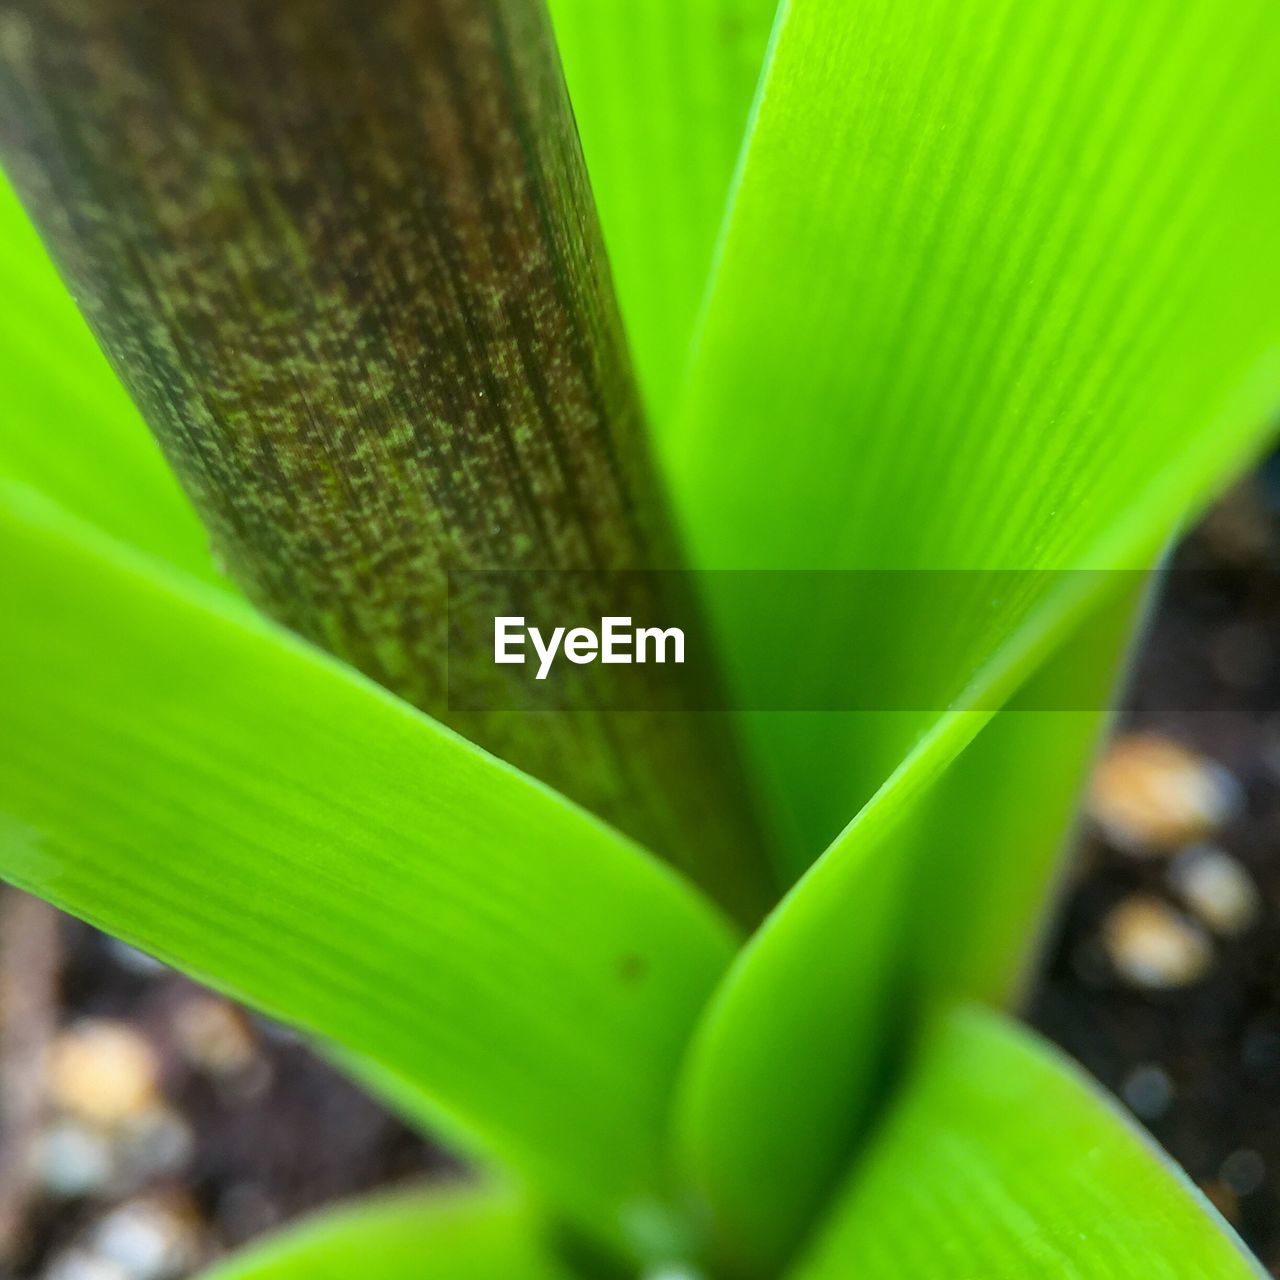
{"points": [[1000, 1159], [189, 777], [661, 91], [1025, 322], [935, 887], [454, 1234], [92, 451], [996, 292], [992, 830]]}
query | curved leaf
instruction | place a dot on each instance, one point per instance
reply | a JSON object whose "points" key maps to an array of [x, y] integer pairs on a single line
{"points": [[996, 292], [1001, 1159], [93, 453], [189, 777], [455, 1234], [1026, 322]]}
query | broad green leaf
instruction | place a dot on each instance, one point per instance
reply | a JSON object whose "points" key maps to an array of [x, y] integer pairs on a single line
{"points": [[189, 777], [92, 451], [661, 90], [1026, 322], [377, 345], [935, 887], [463, 1233], [1000, 1159], [996, 292]]}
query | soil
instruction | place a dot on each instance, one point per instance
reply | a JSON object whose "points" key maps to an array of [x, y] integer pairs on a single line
{"points": [[266, 1131], [1201, 1064]]}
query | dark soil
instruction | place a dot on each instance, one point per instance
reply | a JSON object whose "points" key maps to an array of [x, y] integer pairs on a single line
{"points": [[1200, 1065], [283, 1133], [277, 1135]]}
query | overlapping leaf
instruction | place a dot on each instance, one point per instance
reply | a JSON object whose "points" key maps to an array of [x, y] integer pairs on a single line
{"points": [[999, 1159], [191, 778], [1024, 320], [661, 91], [68, 427], [454, 1234]]}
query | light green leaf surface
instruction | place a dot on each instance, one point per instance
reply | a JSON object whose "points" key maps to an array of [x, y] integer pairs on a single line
{"points": [[661, 91], [1026, 321], [1000, 1160], [992, 831], [997, 292], [454, 1234], [91, 450], [193, 779], [935, 887]]}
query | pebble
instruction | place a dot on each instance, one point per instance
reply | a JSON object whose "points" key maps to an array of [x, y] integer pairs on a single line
{"points": [[1151, 795], [1152, 946], [81, 1264], [1216, 888], [1148, 1091], [1244, 1171], [213, 1035], [218, 1039], [246, 1210], [150, 1239], [73, 1160], [155, 1144], [102, 1071]]}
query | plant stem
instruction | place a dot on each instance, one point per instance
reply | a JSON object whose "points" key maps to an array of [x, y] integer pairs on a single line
{"points": [[344, 256]]}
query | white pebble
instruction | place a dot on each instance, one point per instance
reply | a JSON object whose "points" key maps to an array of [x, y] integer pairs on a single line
{"points": [[1216, 888], [80, 1264], [148, 1240], [72, 1160]]}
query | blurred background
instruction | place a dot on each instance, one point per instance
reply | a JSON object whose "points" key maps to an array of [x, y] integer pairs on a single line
{"points": [[149, 1126]]}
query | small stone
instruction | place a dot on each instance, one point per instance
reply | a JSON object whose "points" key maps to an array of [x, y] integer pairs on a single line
{"points": [[1148, 1091], [156, 1143], [1153, 946], [72, 1160], [80, 1264], [1244, 1171], [102, 1071], [214, 1036], [1150, 795], [1215, 887], [150, 1239], [246, 1210]]}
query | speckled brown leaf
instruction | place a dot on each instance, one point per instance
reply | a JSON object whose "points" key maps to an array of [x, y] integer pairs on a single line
{"points": [[344, 256]]}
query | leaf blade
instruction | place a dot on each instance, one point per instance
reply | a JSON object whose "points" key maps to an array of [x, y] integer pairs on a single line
{"points": [[1001, 1159], [876, 350], [261, 813], [453, 1234], [96, 456], [1032, 264]]}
